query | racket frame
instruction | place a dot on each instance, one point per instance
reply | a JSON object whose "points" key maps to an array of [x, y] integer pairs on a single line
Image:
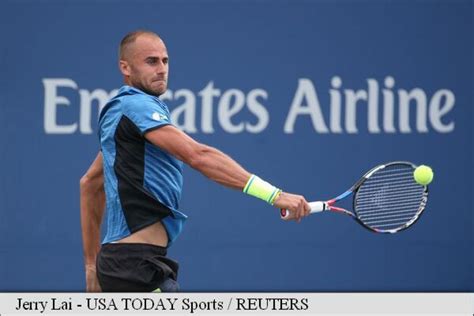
{"points": [[354, 190], [329, 204]]}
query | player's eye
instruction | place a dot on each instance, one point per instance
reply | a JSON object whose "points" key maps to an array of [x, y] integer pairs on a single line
{"points": [[151, 61]]}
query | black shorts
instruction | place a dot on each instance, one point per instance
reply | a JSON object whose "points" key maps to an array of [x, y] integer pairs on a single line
{"points": [[129, 267]]}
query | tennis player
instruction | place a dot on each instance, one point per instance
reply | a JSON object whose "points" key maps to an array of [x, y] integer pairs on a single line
{"points": [[137, 178]]}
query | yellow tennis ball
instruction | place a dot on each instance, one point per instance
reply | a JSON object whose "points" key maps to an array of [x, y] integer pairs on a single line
{"points": [[423, 175]]}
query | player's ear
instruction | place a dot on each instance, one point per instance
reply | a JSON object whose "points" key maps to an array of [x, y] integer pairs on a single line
{"points": [[124, 67]]}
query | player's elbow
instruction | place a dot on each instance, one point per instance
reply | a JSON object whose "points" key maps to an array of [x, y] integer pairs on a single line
{"points": [[197, 158], [84, 182], [88, 183]]}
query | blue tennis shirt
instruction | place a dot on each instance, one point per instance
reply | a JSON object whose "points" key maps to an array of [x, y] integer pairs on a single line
{"points": [[142, 182]]}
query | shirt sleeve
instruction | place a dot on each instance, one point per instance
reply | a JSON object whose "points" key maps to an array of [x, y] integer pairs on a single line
{"points": [[146, 113]]}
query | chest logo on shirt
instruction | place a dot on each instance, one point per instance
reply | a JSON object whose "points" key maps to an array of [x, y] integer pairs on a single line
{"points": [[158, 117]]}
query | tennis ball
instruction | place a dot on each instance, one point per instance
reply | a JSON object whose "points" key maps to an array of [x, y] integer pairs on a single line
{"points": [[423, 175]]}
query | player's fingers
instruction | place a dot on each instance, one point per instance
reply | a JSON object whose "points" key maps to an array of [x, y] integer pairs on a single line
{"points": [[300, 209], [290, 213], [294, 214], [304, 207], [298, 212], [307, 208], [286, 214]]}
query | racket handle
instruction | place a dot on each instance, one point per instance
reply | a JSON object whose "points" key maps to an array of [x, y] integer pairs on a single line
{"points": [[316, 207]]}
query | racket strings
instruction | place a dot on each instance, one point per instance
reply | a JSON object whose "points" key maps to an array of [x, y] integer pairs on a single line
{"points": [[395, 214], [394, 186], [391, 175], [391, 207], [389, 199], [408, 194], [395, 180]]}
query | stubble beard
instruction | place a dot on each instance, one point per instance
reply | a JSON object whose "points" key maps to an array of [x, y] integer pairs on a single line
{"points": [[149, 90]]}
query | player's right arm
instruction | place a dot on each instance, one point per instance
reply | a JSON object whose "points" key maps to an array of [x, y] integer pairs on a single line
{"points": [[92, 210], [218, 166]]}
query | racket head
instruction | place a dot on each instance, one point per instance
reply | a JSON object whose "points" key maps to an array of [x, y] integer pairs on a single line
{"points": [[387, 199]]}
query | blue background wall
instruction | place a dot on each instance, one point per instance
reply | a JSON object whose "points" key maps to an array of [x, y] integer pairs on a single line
{"points": [[233, 242]]}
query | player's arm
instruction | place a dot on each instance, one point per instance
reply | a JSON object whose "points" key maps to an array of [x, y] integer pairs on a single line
{"points": [[218, 166], [92, 210]]}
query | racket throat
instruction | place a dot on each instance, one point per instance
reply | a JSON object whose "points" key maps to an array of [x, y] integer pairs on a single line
{"points": [[318, 206]]}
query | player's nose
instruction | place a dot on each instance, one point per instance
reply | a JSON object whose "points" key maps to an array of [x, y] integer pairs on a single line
{"points": [[161, 67]]}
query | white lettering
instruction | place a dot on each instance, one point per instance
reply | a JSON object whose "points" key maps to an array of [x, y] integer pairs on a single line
{"points": [[258, 109], [87, 98], [374, 102], [388, 108], [207, 94], [226, 110], [335, 114], [437, 111], [188, 109], [351, 113], [373, 106], [51, 103], [404, 98], [306, 91]]}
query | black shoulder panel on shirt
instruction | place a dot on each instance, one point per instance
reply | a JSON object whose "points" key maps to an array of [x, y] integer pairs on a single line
{"points": [[140, 207]]}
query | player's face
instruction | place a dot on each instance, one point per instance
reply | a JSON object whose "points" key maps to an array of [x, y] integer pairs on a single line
{"points": [[148, 65]]}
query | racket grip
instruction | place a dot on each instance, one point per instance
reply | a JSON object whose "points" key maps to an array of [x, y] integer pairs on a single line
{"points": [[316, 207]]}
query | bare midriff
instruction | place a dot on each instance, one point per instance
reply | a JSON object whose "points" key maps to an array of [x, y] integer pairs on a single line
{"points": [[154, 234]]}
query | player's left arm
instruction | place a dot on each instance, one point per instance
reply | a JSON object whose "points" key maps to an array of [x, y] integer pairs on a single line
{"points": [[92, 209]]}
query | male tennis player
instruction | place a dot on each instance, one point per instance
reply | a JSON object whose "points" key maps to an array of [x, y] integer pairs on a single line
{"points": [[138, 176]]}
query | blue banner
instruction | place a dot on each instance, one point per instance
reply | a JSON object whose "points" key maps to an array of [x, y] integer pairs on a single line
{"points": [[309, 95]]}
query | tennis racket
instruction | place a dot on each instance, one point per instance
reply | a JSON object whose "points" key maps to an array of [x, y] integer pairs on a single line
{"points": [[387, 199]]}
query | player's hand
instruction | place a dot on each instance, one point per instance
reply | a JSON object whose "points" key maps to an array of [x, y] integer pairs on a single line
{"points": [[92, 283], [296, 204]]}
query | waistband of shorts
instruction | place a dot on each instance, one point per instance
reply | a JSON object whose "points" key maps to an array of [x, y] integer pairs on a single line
{"points": [[135, 248]]}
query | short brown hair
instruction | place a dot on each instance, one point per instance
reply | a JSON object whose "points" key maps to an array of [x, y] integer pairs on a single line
{"points": [[130, 39]]}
